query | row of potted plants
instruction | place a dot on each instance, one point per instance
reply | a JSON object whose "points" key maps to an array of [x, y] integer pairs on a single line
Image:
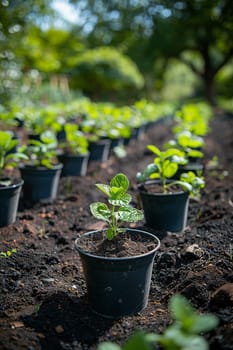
{"points": [[118, 284], [118, 280]]}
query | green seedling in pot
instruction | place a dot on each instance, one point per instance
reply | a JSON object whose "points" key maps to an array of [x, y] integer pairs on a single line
{"points": [[41, 153], [76, 142], [8, 158], [118, 209], [165, 166], [182, 334], [187, 142]]}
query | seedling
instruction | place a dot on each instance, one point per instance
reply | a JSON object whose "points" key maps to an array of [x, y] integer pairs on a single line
{"points": [[118, 209], [182, 334], [187, 142], [8, 158], [165, 166], [8, 253], [76, 142], [41, 153]]}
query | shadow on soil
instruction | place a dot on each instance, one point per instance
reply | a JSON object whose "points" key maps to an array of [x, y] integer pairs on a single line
{"points": [[64, 319]]}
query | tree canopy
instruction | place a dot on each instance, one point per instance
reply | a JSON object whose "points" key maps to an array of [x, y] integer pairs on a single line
{"points": [[150, 29]]}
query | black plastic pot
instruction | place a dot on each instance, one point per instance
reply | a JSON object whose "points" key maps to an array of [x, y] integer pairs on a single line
{"points": [[40, 184], [99, 150], [9, 200], [74, 165], [118, 286], [164, 211]]}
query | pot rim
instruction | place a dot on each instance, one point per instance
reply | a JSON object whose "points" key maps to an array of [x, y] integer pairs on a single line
{"points": [[72, 155], [162, 194], [57, 166], [18, 182], [80, 250]]}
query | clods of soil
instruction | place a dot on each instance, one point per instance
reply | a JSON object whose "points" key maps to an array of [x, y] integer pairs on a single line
{"points": [[43, 302]]}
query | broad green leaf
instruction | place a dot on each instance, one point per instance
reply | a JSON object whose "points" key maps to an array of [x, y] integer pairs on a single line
{"points": [[173, 152], [169, 169], [5, 139], [154, 149], [100, 211], [104, 188], [124, 200], [120, 180], [155, 176], [116, 192], [180, 308], [179, 160], [180, 340], [129, 214], [204, 323], [137, 342], [195, 153], [185, 185]]}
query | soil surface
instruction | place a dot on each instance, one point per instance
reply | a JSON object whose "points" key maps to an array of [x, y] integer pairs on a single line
{"points": [[43, 301]]}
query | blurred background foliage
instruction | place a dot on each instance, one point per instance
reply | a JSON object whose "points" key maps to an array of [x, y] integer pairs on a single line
{"points": [[116, 50]]}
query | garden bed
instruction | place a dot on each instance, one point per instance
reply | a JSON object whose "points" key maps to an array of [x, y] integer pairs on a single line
{"points": [[43, 303]]}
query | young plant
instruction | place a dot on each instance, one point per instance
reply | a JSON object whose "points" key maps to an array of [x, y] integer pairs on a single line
{"points": [[76, 142], [8, 158], [187, 142], [118, 209], [41, 153], [165, 166], [8, 253], [182, 334]]}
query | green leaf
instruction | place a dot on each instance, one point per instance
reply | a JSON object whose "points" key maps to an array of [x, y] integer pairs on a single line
{"points": [[154, 149], [108, 346], [104, 188], [204, 323], [100, 211], [173, 152], [129, 214], [192, 153], [137, 342], [116, 192], [125, 199], [120, 181], [169, 169], [180, 308]]}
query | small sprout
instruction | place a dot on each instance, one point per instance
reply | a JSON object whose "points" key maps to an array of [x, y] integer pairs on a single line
{"points": [[118, 209], [8, 253]]}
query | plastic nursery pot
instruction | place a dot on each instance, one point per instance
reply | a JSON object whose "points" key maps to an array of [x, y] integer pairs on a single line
{"points": [[74, 165], [99, 150], [117, 286], [9, 200], [40, 184], [164, 211]]}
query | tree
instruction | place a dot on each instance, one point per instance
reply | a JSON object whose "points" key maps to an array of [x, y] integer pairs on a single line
{"points": [[151, 29], [16, 17]]}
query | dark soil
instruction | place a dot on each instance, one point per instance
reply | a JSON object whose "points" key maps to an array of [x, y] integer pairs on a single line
{"points": [[124, 245], [42, 290]]}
